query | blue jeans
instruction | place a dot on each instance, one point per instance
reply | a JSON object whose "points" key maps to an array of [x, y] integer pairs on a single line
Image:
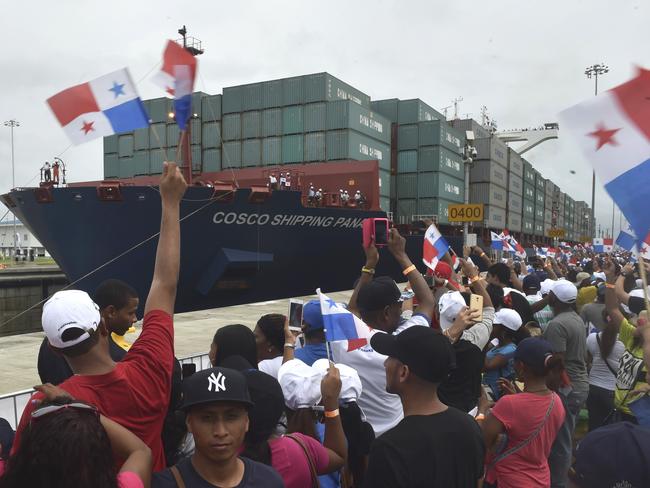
{"points": [[559, 461]]}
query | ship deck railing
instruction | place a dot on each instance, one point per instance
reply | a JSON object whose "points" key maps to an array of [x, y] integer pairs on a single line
{"points": [[13, 404]]}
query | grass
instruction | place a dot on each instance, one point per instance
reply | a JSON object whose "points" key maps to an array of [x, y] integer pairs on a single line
{"points": [[38, 261]]}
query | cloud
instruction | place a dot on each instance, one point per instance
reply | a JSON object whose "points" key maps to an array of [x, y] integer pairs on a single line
{"points": [[524, 64]]}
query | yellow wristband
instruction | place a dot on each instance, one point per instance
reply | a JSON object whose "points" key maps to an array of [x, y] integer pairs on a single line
{"points": [[331, 414], [479, 417], [409, 269], [475, 279], [481, 255], [367, 270], [610, 286]]}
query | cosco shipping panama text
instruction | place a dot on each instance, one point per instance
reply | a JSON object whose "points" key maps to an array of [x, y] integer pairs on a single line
{"points": [[233, 218]]}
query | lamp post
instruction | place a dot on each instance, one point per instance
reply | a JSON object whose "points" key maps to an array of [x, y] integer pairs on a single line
{"points": [[469, 153], [594, 71], [12, 124]]}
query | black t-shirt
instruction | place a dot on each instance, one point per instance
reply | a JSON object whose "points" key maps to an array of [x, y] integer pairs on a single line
{"points": [[444, 450], [462, 388], [53, 368], [256, 475]]}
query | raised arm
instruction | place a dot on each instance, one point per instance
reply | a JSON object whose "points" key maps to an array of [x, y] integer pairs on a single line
{"points": [[481, 254], [162, 293], [539, 304], [548, 266], [334, 440], [479, 334], [397, 247], [613, 326], [367, 274], [126, 445], [621, 294]]}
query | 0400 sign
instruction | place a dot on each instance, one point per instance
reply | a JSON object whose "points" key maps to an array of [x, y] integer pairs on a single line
{"points": [[466, 213]]}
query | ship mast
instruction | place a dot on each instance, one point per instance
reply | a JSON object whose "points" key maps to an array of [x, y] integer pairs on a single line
{"points": [[193, 46]]}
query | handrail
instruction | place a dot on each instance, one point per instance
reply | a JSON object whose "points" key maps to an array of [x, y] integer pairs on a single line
{"points": [[13, 404]]}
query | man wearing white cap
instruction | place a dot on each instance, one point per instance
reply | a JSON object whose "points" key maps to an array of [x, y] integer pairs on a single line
{"points": [[566, 332], [135, 392]]}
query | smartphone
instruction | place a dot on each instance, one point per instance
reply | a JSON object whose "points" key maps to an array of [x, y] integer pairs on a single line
{"points": [[295, 314], [188, 369], [375, 230], [476, 305], [381, 232]]}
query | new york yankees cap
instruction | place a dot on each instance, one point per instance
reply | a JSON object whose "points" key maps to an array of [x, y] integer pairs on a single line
{"points": [[215, 385]]}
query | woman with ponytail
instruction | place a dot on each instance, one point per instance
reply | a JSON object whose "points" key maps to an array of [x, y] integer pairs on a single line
{"points": [[520, 429]]}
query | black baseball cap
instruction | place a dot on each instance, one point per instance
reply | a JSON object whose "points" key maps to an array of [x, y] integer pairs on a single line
{"points": [[379, 293], [614, 455], [427, 353], [215, 385], [534, 351]]}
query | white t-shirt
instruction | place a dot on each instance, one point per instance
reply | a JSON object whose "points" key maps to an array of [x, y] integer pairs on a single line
{"points": [[383, 410], [600, 375], [270, 366]]}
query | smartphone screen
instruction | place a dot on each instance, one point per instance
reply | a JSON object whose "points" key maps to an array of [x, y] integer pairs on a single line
{"points": [[295, 315], [381, 232]]}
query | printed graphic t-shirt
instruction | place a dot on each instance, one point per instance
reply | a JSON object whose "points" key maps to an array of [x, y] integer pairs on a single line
{"points": [[631, 371]]}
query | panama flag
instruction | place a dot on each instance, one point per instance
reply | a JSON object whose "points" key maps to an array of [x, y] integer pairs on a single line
{"points": [[608, 244], [101, 107], [342, 325], [177, 77], [613, 130], [435, 246], [625, 241], [598, 245], [497, 241], [517, 248]]}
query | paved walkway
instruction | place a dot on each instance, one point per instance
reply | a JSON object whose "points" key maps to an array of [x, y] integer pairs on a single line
{"points": [[193, 335]]}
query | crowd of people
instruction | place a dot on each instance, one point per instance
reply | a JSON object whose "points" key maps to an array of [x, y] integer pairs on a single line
{"points": [[469, 378]]}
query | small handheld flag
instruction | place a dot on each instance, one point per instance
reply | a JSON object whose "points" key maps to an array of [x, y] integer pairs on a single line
{"points": [[101, 107], [434, 247], [341, 324], [177, 77]]}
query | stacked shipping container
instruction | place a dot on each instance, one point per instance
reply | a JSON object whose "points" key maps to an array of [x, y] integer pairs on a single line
{"points": [[429, 166], [318, 117]]}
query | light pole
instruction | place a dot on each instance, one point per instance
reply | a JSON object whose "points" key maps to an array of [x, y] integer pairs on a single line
{"points": [[469, 153], [595, 70], [12, 124]]}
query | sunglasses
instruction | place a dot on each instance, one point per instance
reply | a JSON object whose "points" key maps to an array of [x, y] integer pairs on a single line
{"points": [[42, 412]]}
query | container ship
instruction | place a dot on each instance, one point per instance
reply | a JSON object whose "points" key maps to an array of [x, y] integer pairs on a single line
{"points": [[243, 241]]}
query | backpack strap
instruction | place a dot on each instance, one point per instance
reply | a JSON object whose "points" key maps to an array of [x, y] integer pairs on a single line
{"points": [[611, 370], [312, 465], [177, 476]]}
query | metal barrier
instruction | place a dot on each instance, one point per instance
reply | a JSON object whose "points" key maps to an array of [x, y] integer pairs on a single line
{"points": [[13, 404]]}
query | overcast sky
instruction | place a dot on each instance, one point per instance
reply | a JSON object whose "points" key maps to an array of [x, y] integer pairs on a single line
{"points": [[523, 60]]}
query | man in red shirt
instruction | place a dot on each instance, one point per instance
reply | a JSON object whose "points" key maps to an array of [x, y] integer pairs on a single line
{"points": [[135, 392]]}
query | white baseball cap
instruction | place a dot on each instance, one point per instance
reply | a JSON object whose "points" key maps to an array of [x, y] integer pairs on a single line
{"points": [[565, 291], [450, 305], [546, 286], [350, 381], [508, 318], [66, 310], [300, 384]]}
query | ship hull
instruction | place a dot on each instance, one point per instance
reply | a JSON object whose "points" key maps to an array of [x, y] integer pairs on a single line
{"points": [[232, 252]]}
